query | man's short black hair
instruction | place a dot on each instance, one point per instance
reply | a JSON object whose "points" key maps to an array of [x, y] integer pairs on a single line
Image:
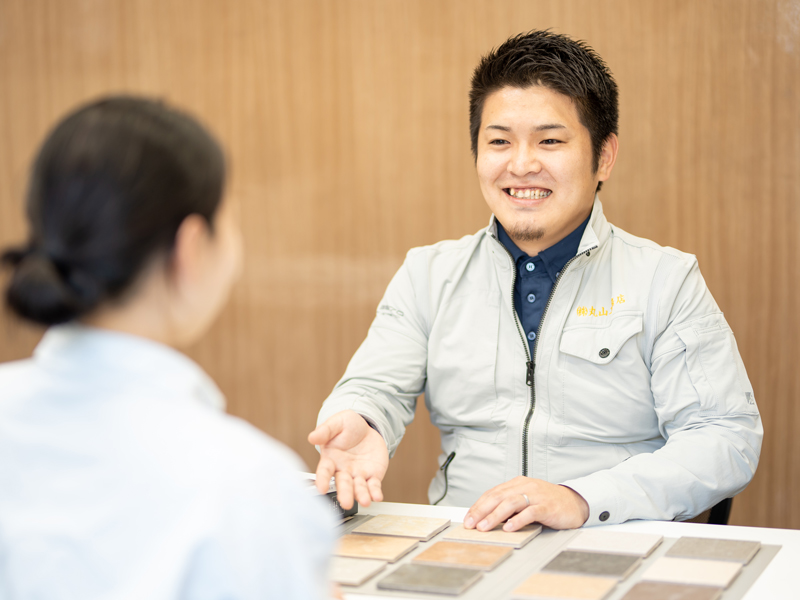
{"points": [[555, 61]]}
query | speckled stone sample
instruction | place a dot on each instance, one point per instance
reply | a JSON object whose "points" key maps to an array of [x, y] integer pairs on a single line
{"points": [[378, 547], [551, 586], [354, 571], [733, 550], [615, 542], [515, 539], [617, 566], [429, 579], [651, 590], [421, 528], [691, 571], [469, 556]]}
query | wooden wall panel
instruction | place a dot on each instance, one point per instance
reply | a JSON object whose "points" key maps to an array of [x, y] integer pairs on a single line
{"points": [[346, 127]]}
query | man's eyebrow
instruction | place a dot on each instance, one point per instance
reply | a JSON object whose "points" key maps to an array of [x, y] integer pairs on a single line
{"points": [[543, 127]]}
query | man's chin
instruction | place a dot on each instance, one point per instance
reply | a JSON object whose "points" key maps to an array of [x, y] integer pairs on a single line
{"points": [[525, 233]]}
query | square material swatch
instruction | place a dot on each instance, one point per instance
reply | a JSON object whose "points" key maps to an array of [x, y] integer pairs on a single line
{"points": [[549, 586], [515, 539], [716, 573], [733, 550], [428, 579], [615, 542], [378, 547], [651, 590], [354, 571], [467, 556], [421, 528], [618, 566]]}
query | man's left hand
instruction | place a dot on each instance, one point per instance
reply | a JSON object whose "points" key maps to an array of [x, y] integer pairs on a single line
{"points": [[524, 500]]}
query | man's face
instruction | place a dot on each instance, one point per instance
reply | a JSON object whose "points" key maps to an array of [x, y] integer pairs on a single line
{"points": [[535, 165]]}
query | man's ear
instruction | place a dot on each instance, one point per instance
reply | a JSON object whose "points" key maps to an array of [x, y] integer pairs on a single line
{"points": [[608, 156], [188, 251]]}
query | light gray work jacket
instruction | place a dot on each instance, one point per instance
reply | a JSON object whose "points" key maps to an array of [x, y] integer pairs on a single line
{"points": [[640, 401]]}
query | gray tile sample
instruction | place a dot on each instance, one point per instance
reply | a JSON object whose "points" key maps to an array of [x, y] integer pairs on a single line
{"points": [[652, 590], [428, 579], [616, 566], [731, 550]]}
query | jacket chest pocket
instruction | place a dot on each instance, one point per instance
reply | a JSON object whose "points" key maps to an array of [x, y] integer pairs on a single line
{"points": [[605, 385]]}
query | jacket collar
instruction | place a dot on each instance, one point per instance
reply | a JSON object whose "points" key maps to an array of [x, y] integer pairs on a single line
{"points": [[596, 233], [90, 353]]}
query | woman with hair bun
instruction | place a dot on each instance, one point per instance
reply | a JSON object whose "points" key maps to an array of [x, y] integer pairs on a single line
{"points": [[120, 475]]}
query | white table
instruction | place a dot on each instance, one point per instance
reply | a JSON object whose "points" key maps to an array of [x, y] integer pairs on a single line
{"points": [[777, 582]]}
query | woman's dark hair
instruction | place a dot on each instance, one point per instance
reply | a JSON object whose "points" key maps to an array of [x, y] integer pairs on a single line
{"points": [[557, 62], [108, 190]]}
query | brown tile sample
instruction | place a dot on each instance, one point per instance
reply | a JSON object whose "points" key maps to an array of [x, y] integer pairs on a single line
{"points": [[617, 566], [615, 542], [550, 586], [652, 590], [515, 539], [421, 528], [467, 556], [428, 579], [354, 571], [692, 571], [733, 550], [378, 547]]}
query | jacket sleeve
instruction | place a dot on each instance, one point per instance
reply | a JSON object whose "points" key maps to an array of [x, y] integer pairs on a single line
{"points": [[388, 371], [706, 411]]}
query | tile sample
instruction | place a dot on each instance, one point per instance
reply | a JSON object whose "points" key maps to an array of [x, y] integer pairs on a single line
{"points": [[734, 550], [549, 586], [615, 542], [467, 556], [515, 539], [716, 573], [617, 566], [428, 579], [354, 571], [651, 590], [421, 528], [379, 547]]}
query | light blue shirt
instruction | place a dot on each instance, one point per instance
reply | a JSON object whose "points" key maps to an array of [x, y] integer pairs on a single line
{"points": [[121, 477]]}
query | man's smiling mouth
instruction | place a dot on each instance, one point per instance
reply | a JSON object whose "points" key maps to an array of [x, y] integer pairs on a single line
{"points": [[528, 193]]}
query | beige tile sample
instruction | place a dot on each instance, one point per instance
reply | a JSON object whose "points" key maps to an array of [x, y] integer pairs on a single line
{"points": [[378, 547], [549, 586], [354, 571], [469, 556], [515, 539], [617, 566], [733, 550], [691, 571], [421, 528], [429, 579], [653, 590], [615, 542]]}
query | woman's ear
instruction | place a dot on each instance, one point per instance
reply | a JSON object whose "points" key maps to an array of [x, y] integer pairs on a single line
{"points": [[188, 254]]}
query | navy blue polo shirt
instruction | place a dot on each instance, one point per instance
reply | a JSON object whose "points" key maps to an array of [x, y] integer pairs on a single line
{"points": [[537, 275]]}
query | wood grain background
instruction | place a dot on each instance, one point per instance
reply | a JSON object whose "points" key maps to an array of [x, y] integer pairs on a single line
{"points": [[346, 125]]}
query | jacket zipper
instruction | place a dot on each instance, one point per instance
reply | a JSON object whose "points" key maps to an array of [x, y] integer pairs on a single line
{"points": [[531, 363]]}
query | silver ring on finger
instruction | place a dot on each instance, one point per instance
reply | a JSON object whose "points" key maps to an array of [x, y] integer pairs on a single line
{"points": [[527, 500]]}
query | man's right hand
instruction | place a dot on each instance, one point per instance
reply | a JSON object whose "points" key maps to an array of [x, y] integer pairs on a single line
{"points": [[355, 454]]}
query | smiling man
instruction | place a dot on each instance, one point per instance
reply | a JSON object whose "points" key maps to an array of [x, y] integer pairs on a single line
{"points": [[577, 374]]}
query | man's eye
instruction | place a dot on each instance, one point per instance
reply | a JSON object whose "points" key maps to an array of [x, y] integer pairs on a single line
{"points": [[550, 142], [498, 142]]}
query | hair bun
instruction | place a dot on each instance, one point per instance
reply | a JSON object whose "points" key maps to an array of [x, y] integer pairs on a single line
{"points": [[39, 292]]}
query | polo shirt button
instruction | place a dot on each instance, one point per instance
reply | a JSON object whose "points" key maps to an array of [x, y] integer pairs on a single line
{"points": [[530, 266], [531, 298], [604, 353], [532, 335], [604, 516]]}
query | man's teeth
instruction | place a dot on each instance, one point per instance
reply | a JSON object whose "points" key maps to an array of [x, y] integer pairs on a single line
{"points": [[528, 193]]}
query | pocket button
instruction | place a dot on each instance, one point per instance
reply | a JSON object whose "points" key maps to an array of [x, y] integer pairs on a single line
{"points": [[604, 353]]}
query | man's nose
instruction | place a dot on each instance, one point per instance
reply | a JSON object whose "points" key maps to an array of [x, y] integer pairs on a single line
{"points": [[524, 160]]}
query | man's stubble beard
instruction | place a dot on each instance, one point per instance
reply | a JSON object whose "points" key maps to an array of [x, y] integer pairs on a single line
{"points": [[521, 233]]}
